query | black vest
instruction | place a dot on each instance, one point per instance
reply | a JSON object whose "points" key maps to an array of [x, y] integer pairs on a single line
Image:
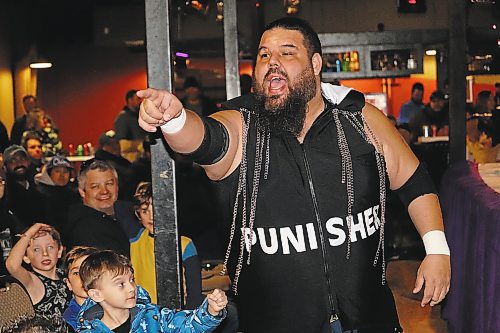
{"points": [[286, 286]]}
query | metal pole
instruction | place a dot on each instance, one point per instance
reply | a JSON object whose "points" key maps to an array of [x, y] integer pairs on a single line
{"points": [[457, 70], [231, 50], [168, 269]]}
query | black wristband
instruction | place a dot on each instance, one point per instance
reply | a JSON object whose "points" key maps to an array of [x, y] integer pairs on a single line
{"points": [[214, 145]]}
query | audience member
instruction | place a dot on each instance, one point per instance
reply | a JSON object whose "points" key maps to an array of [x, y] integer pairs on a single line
{"points": [[42, 124], [141, 167], [94, 223], [414, 105], [58, 191], [5, 238], [110, 151], [402, 129], [485, 102], [195, 100], [29, 103], [35, 325], [245, 84], [40, 247], [497, 94], [32, 142], [22, 200], [485, 107], [434, 114], [73, 260], [143, 258], [480, 148], [108, 279], [4, 137], [128, 132]]}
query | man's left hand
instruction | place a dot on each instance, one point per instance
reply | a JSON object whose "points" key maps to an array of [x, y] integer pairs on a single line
{"points": [[435, 273]]}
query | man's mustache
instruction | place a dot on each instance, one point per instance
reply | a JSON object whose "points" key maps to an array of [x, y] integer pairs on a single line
{"points": [[275, 70], [19, 167]]}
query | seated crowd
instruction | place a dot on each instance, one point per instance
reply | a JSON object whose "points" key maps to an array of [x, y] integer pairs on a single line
{"points": [[82, 244]]}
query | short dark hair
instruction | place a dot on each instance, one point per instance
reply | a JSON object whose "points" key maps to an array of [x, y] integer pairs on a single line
{"points": [[130, 94], [28, 97], [143, 195], [76, 253], [30, 135], [417, 86], [100, 262], [482, 101], [311, 39]]}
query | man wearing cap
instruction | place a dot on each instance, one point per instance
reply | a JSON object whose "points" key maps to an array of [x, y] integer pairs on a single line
{"points": [[434, 114], [128, 132], [23, 202], [57, 189]]}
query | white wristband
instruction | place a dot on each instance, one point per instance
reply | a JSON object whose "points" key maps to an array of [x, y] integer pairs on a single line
{"points": [[435, 243], [174, 125]]}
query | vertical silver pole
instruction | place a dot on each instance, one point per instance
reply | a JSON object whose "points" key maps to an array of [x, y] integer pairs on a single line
{"points": [[231, 49], [168, 272]]}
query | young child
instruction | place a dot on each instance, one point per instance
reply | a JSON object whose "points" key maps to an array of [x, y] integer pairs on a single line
{"points": [[73, 261], [142, 253], [40, 247], [108, 278]]}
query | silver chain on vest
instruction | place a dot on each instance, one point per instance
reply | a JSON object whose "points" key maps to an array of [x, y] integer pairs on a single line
{"points": [[263, 139]]}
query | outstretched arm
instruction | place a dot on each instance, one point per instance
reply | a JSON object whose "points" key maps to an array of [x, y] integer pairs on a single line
{"points": [[185, 130], [425, 212]]}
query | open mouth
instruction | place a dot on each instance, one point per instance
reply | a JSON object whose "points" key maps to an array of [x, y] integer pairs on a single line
{"points": [[276, 83], [46, 262]]}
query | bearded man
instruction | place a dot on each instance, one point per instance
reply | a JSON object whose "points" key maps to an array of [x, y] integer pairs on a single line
{"points": [[23, 202], [302, 168]]}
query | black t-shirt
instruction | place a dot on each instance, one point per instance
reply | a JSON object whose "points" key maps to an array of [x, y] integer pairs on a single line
{"points": [[123, 328]]}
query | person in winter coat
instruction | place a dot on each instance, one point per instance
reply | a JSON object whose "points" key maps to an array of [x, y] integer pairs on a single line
{"points": [[117, 304]]}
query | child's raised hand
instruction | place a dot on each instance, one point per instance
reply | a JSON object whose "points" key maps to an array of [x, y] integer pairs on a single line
{"points": [[37, 230], [217, 301]]}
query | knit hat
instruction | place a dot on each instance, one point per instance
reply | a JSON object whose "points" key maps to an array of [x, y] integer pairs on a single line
{"points": [[58, 161], [10, 151]]}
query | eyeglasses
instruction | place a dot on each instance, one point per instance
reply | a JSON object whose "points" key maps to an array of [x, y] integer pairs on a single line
{"points": [[86, 164]]}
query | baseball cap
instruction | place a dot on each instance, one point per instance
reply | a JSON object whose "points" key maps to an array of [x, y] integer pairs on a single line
{"points": [[12, 150], [107, 138], [437, 95]]}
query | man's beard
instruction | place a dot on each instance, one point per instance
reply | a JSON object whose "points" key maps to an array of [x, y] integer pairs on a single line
{"points": [[289, 114], [15, 176]]}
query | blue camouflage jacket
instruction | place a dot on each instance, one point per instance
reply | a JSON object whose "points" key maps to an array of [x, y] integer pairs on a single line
{"points": [[148, 317]]}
